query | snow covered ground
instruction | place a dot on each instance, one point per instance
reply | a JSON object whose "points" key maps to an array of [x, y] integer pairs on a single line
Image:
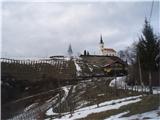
{"points": [[108, 105], [152, 115], [156, 90]]}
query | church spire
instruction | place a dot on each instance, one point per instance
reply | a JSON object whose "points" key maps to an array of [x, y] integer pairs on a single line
{"points": [[101, 40]]}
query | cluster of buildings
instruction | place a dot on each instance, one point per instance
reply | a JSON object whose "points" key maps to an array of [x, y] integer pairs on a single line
{"points": [[107, 60]]}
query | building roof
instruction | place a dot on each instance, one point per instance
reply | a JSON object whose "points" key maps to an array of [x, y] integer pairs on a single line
{"points": [[109, 49], [113, 62]]}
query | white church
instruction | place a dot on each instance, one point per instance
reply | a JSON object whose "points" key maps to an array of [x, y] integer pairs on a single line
{"points": [[106, 51]]}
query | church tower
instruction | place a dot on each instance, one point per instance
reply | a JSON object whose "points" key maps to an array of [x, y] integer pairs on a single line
{"points": [[106, 51], [101, 43]]}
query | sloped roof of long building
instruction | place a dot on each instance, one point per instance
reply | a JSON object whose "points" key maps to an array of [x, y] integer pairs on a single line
{"points": [[109, 49]]}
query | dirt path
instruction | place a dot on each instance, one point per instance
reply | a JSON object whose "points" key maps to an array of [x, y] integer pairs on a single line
{"points": [[32, 96]]}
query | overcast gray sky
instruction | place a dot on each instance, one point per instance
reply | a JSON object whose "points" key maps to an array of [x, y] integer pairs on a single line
{"points": [[40, 29]]}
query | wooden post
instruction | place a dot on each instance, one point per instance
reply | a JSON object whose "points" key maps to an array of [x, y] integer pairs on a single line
{"points": [[140, 73], [150, 83]]}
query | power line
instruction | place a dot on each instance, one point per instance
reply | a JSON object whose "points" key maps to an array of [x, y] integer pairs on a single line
{"points": [[151, 11]]}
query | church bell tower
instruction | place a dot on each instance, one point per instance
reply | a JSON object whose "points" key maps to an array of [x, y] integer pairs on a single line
{"points": [[101, 43]]}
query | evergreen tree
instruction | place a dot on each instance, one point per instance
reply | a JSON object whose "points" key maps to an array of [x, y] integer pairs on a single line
{"points": [[147, 50], [85, 52], [70, 52]]}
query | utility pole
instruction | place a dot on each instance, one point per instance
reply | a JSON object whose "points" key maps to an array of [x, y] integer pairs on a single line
{"points": [[150, 83], [115, 79], [140, 73], [60, 93]]}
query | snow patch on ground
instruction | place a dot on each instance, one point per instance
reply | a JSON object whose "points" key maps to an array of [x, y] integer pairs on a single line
{"points": [[152, 115], [115, 117], [78, 68], [95, 66], [119, 100], [67, 58], [74, 89], [66, 91], [30, 107], [100, 95], [82, 103], [156, 90], [50, 111], [119, 81], [90, 67], [108, 105]]}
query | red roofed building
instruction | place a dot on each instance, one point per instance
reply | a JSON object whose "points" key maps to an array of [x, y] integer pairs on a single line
{"points": [[106, 51]]}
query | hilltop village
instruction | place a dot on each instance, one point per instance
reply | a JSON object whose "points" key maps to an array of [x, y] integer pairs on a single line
{"points": [[21, 78], [62, 87]]}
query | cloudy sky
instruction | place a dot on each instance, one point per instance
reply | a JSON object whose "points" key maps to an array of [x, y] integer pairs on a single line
{"points": [[40, 29]]}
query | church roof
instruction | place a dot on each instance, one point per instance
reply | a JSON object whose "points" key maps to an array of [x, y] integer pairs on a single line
{"points": [[109, 49]]}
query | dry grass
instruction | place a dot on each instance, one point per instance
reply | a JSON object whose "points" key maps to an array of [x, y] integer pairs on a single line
{"points": [[98, 92]]}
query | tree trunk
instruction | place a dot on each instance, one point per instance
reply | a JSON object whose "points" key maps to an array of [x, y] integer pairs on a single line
{"points": [[150, 83]]}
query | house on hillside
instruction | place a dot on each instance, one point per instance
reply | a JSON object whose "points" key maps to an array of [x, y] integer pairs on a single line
{"points": [[115, 68], [106, 65]]}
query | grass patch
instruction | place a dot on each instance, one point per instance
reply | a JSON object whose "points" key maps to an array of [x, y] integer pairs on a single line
{"points": [[148, 103]]}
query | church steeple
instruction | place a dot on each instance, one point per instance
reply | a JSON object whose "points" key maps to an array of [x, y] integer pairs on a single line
{"points": [[101, 40], [101, 43]]}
